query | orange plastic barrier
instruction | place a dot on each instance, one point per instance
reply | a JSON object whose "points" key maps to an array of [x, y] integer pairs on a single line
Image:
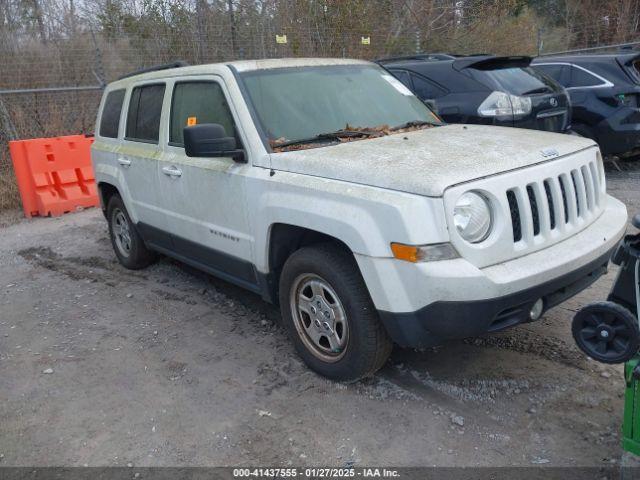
{"points": [[54, 175]]}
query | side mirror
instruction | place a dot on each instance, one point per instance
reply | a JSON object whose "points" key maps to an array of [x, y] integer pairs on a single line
{"points": [[210, 140]]}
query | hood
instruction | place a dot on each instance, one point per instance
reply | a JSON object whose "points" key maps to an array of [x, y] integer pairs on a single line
{"points": [[426, 162]]}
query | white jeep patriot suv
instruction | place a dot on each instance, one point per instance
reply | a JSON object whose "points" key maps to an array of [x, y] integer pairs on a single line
{"points": [[327, 187]]}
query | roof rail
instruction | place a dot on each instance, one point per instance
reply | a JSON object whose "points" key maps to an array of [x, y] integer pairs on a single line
{"points": [[619, 46], [417, 56], [166, 66], [474, 55]]}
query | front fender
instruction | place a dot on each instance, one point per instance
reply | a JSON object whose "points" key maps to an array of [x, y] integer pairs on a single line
{"points": [[367, 219]]}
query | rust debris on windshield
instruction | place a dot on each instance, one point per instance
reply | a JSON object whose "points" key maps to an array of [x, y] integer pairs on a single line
{"points": [[348, 134]]}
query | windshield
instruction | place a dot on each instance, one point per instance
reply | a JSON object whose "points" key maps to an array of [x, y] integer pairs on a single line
{"points": [[517, 81], [295, 104]]}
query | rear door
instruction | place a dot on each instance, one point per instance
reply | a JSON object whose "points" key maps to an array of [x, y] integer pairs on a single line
{"points": [[137, 159], [581, 83], [203, 199]]}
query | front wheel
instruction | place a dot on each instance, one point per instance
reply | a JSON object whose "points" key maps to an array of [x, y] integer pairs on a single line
{"points": [[329, 314]]}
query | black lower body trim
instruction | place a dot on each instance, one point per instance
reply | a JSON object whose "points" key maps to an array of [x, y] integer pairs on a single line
{"points": [[214, 262], [441, 321]]}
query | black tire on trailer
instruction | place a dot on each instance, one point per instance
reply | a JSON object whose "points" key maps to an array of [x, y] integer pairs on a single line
{"points": [[606, 332]]}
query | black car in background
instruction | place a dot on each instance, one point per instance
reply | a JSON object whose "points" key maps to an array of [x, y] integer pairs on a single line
{"points": [[604, 90], [485, 89]]}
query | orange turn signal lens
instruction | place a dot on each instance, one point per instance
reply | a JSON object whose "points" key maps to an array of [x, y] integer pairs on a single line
{"points": [[424, 253], [408, 253]]}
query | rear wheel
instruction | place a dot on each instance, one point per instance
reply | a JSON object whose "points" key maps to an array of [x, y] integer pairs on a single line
{"points": [[329, 314], [127, 244]]}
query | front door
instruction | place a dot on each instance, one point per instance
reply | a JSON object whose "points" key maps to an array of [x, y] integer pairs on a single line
{"points": [[203, 199]]}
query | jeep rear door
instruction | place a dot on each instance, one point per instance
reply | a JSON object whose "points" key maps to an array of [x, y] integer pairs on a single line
{"points": [[137, 159]]}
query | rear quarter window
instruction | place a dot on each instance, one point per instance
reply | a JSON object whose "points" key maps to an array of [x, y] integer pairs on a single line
{"points": [[425, 89], [110, 119], [403, 76], [143, 117], [582, 78]]}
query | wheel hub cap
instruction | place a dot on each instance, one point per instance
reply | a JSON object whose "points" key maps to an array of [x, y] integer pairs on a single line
{"points": [[319, 317], [122, 233]]}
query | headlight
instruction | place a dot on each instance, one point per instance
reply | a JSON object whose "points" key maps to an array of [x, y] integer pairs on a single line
{"points": [[500, 104], [472, 217]]}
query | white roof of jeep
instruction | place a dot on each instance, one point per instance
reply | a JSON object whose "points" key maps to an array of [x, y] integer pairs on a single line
{"points": [[240, 66]]}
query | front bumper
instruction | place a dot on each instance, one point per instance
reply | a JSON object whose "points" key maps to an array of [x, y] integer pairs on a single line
{"points": [[441, 321], [427, 303]]}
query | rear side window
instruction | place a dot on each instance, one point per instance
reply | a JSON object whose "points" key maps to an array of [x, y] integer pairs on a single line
{"points": [[110, 120], [403, 76], [143, 118], [425, 89], [198, 102], [582, 78]]}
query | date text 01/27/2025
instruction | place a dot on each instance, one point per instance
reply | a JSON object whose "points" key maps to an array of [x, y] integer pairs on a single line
{"points": [[315, 473]]}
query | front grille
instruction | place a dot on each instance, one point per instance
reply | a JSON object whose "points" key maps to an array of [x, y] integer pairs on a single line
{"points": [[535, 215], [515, 216], [552, 210], [556, 203]]}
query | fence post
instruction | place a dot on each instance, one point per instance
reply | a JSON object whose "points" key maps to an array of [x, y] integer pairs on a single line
{"points": [[99, 67], [539, 40]]}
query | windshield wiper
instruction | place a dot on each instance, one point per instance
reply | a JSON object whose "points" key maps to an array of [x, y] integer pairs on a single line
{"points": [[337, 135], [413, 123]]}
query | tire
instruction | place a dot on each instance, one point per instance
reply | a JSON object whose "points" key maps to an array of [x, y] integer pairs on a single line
{"points": [[127, 244], [606, 332], [354, 345]]}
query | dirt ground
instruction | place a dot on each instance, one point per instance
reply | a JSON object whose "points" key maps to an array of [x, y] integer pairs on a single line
{"points": [[102, 366]]}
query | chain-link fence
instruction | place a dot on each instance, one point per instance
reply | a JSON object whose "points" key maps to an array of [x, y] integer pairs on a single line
{"points": [[55, 59]]}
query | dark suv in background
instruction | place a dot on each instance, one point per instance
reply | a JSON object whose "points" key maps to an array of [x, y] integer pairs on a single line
{"points": [[604, 91], [485, 89]]}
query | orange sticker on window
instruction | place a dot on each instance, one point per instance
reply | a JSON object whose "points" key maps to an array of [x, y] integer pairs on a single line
{"points": [[191, 121]]}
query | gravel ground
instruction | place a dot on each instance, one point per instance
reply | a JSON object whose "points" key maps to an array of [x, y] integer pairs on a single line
{"points": [[103, 366]]}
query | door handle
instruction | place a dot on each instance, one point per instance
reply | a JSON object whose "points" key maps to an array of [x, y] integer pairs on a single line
{"points": [[172, 171], [125, 162]]}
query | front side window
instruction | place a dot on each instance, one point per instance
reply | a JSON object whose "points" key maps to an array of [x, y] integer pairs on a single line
{"points": [[110, 119], [143, 117], [198, 102], [292, 104]]}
